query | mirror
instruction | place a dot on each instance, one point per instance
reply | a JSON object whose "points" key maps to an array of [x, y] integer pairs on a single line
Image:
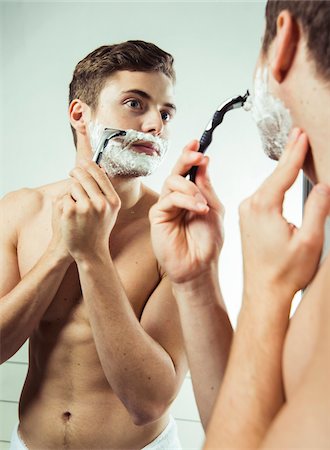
{"points": [[215, 46]]}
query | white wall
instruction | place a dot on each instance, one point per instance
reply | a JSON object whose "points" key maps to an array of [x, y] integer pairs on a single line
{"points": [[215, 45]]}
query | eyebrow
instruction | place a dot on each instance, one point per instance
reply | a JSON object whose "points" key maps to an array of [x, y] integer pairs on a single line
{"points": [[147, 97]]}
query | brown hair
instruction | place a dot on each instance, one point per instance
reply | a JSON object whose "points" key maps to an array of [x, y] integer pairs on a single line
{"points": [[92, 72], [314, 17]]}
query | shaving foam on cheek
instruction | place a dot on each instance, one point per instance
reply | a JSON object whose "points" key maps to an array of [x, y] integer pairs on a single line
{"points": [[95, 134], [271, 116], [119, 157]]}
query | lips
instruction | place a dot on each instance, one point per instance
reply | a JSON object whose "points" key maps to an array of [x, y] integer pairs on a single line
{"points": [[145, 147]]}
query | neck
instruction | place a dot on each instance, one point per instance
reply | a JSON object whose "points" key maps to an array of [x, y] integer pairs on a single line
{"points": [[128, 189]]}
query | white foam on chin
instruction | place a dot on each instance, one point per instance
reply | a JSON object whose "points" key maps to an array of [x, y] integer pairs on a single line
{"points": [[119, 159], [271, 116]]}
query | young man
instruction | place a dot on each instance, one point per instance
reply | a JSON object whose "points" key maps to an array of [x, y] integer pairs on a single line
{"points": [[276, 390], [79, 277]]}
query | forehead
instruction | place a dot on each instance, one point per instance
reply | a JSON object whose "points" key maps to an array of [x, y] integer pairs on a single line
{"points": [[157, 85]]}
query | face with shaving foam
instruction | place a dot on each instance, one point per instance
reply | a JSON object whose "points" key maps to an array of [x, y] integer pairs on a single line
{"points": [[136, 154], [273, 119], [141, 104]]}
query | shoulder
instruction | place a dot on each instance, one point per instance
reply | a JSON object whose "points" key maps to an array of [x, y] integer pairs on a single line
{"points": [[18, 206], [15, 209], [21, 201]]}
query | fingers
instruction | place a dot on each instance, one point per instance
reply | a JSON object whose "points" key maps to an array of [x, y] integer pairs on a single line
{"points": [[68, 205], [190, 193], [272, 191], [316, 210], [78, 193], [57, 208], [87, 182], [190, 157], [183, 194], [174, 203], [94, 181], [204, 184], [180, 184], [100, 177]]}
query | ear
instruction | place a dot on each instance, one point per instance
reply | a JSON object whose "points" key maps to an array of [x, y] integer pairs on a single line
{"points": [[285, 45], [79, 114]]}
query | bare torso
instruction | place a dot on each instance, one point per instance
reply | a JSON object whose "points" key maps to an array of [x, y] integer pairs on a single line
{"points": [[67, 402], [303, 331]]}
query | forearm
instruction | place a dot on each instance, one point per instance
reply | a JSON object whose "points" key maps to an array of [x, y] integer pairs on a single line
{"points": [[23, 307], [252, 392], [207, 333], [138, 369]]}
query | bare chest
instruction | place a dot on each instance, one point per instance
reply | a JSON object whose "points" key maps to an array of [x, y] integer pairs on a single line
{"points": [[131, 251]]}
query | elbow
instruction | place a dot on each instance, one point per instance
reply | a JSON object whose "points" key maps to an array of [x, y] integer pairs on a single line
{"points": [[148, 413]]}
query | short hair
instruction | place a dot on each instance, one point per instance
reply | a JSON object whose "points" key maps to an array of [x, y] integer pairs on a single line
{"points": [[92, 72], [314, 17]]}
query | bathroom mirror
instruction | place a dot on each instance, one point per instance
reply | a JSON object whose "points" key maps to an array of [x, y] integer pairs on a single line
{"points": [[215, 46]]}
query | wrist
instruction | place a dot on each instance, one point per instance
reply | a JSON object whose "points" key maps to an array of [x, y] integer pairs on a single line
{"points": [[263, 324], [196, 282], [58, 257], [266, 306], [201, 290], [92, 258], [270, 294]]}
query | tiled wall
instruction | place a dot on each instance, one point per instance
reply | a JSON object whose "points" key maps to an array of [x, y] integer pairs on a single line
{"points": [[12, 375]]}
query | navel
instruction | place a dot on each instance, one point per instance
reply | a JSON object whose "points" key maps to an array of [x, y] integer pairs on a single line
{"points": [[66, 416]]}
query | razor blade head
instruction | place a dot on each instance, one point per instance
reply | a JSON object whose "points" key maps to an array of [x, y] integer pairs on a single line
{"points": [[107, 135]]}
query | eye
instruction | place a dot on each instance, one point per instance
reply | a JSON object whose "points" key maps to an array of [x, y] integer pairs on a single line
{"points": [[134, 103], [166, 116]]}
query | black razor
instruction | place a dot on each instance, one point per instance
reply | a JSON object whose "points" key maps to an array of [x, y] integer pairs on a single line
{"points": [[217, 118], [108, 134]]}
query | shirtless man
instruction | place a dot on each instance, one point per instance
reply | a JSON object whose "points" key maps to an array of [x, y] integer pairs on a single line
{"points": [[79, 277], [276, 390]]}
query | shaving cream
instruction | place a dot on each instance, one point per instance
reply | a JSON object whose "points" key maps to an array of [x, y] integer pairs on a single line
{"points": [[273, 119], [119, 157]]}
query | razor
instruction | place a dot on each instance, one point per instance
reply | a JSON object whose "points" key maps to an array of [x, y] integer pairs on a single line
{"points": [[206, 139], [107, 135]]}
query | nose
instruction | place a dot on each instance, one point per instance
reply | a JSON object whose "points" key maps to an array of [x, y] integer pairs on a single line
{"points": [[153, 122]]}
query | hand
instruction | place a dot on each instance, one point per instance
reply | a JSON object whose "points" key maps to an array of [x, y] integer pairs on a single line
{"points": [[278, 256], [89, 211], [186, 222], [57, 244]]}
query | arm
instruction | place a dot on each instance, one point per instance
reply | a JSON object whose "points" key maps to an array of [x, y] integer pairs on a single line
{"points": [[207, 331], [24, 301], [279, 260], [144, 362], [303, 422], [187, 236]]}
